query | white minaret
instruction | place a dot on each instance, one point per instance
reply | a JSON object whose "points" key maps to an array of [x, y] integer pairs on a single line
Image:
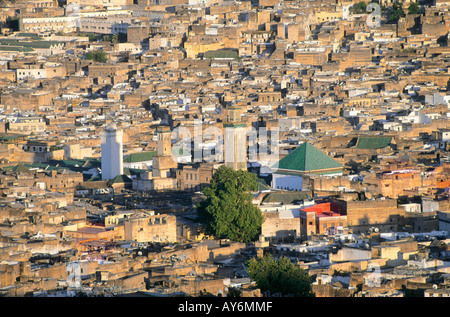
{"points": [[112, 152]]}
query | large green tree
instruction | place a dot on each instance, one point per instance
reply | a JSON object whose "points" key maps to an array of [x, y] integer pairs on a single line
{"points": [[279, 276], [228, 212]]}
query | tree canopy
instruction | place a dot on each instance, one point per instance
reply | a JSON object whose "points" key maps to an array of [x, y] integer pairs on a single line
{"points": [[395, 13], [358, 8], [279, 276], [413, 8], [97, 56], [228, 212]]}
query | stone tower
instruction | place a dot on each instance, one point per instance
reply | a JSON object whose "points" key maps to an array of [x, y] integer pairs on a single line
{"points": [[235, 140], [164, 146], [112, 151], [163, 162]]}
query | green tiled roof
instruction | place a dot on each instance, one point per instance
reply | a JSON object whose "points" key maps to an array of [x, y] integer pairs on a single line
{"points": [[26, 46], [235, 125], [15, 48], [133, 171], [225, 53], [373, 143], [262, 185], [20, 168], [119, 179], [33, 35], [140, 157], [7, 137], [76, 165], [95, 178], [285, 197], [307, 158]]}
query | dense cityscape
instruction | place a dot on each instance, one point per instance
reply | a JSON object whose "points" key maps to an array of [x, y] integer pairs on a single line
{"points": [[251, 149]]}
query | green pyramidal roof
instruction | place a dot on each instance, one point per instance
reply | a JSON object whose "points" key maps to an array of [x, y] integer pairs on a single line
{"points": [[307, 158]]}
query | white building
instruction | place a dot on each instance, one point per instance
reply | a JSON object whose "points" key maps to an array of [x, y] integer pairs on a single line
{"points": [[112, 152], [32, 73]]}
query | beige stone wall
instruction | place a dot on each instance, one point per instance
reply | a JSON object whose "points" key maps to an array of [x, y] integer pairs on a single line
{"points": [[226, 251], [163, 183], [151, 229], [394, 185], [55, 271], [196, 254], [361, 215], [194, 287], [274, 227]]}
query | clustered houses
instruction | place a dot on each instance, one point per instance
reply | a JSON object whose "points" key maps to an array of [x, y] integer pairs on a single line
{"points": [[346, 125]]}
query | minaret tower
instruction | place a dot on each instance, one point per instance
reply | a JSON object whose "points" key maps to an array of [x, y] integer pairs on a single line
{"points": [[112, 151], [163, 162], [235, 140]]}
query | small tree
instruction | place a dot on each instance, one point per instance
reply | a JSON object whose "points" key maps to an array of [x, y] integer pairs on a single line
{"points": [[228, 212], [279, 276], [97, 56], [358, 8], [395, 13], [115, 38], [92, 37]]}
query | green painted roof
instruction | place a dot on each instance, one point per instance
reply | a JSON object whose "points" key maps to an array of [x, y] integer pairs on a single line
{"points": [[373, 143], [307, 158], [140, 157]]}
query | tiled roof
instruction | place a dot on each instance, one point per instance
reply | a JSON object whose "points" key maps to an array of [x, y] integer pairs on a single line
{"points": [[289, 197], [373, 143], [307, 158], [119, 179], [140, 157]]}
